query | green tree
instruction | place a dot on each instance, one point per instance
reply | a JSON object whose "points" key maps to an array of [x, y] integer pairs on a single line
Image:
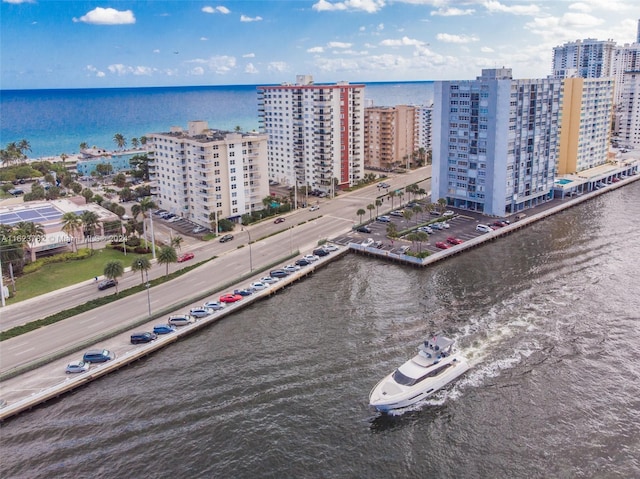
{"points": [[113, 270], [392, 195], [177, 241], [166, 256], [90, 222], [71, 224], [135, 142], [142, 264], [84, 145], [87, 193], [142, 209], [371, 207], [120, 180], [143, 140], [140, 167], [392, 230], [361, 213], [407, 214], [442, 205], [120, 140], [417, 209], [378, 205]]}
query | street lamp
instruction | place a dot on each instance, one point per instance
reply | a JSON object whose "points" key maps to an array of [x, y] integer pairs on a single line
{"points": [[250, 252], [148, 286]]}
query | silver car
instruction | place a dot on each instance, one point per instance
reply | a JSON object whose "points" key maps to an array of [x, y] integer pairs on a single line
{"points": [[77, 367], [200, 312], [180, 320]]}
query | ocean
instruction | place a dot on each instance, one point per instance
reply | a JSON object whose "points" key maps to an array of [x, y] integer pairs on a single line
{"points": [[57, 121]]}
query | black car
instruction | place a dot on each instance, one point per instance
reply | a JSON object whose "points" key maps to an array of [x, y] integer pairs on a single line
{"points": [[106, 284], [226, 238], [321, 252], [139, 338], [278, 273], [302, 262], [364, 229]]}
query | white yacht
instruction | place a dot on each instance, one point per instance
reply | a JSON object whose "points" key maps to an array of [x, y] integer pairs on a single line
{"points": [[435, 365]]}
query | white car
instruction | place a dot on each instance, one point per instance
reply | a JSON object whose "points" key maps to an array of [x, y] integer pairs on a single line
{"points": [[397, 213], [174, 219], [77, 367], [258, 286], [426, 229], [383, 219], [291, 268], [200, 312], [214, 305], [330, 247], [269, 280], [484, 228], [314, 208], [311, 258], [448, 213], [368, 242], [180, 320], [445, 225]]}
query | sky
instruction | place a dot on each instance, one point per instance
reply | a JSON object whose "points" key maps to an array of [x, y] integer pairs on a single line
{"points": [[119, 43]]}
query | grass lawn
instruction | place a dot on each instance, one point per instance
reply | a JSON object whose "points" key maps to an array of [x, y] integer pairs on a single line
{"points": [[58, 275]]}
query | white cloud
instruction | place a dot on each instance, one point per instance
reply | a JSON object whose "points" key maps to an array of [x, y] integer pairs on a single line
{"points": [[219, 64], [249, 55], [452, 12], [315, 50], [278, 67], [579, 20], [220, 9], [95, 71], [339, 45], [583, 7], [244, 18], [369, 6], [203, 39], [496, 6], [121, 70], [197, 71], [448, 38], [107, 16], [17, 2], [487, 50], [251, 69], [156, 50], [404, 41]]}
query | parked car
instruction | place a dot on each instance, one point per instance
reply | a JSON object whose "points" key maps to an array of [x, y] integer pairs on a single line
{"points": [[98, 356], [291, 268], [180, 320], [383, 219], [302, 262], [442, 245], [330, 247], [213, 305], [314, 208], [225, 238], [243, 292], [163, 329], [269, 280], [448, 213], [230, 298], [364, 229], [311, 257], [404, 249], [278, 273], [445, 225], [499, 223], [77, 367], [434, 213], [106, 284], [146, 337], [185, 257], [397, 213], [368, 242], [454, 240], [436, 226], [258, 286], [199, 229], [200, 312], [321, 252], [426, 229], [484, 228], [279, 220]]}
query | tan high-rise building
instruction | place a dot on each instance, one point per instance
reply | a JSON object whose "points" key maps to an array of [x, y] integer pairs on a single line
{"points": [[201, 171], [585, 129], [390, 136]]}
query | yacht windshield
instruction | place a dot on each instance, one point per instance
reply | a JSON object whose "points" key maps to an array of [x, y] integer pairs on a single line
{"points": [[405, 380]]}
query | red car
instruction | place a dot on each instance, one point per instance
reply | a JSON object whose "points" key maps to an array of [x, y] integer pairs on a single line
{"points": [[499, 224], [279, 220], [452, 240], [185, 257], [230, 298], [442, 245]]}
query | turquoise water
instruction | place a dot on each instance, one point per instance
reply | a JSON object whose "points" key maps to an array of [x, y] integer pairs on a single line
{"points": [[57, 121], [563, 181]]}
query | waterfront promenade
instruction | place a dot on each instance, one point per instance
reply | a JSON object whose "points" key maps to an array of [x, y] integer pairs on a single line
{"points": [[41, 384]]}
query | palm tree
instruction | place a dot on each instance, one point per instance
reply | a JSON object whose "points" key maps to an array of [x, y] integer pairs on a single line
{"points": [[89, 222], [71, 223], [143, 140], [167, 256], [63, 157], [442, 204], [392, 230], [142, 264], [416, 210], [24, 146], [135, 142], [360, 213], [31, 231], [392, 195], [142, 208], [120, 140], [371, 207], [176, 242], [407, 215], [238, 129], [84, 145], [113, 270], [378, 204]]}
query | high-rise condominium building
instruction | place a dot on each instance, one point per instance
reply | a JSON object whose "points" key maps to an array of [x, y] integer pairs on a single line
{"points": [[585, 131], [495, 142], [629, 131], [424, 115], [588, 58], [315, 133], [204, 174], [626, 59], [389, 136]]}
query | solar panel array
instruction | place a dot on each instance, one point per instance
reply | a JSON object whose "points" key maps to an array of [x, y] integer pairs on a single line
{"points": [[40, 214]]}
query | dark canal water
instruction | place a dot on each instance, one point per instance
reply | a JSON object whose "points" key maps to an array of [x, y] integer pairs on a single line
{"points": [[549, 318]]}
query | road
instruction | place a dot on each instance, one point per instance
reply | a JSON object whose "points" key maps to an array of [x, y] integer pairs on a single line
{"points": [[301, 231]]}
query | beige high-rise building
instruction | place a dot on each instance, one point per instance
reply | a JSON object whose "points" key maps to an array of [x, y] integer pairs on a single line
{"points": [[390, 136], [315, 133], [202, 171], [585, 128]]}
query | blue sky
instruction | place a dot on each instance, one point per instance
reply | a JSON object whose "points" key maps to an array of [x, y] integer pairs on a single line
{"points": [[84, 44]]}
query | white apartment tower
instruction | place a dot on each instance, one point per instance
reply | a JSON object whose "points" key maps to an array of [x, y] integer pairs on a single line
{"points": [[629, 128], [495, 142], [626, 59], [315, 133], [424, 114], [203, 173], [587, 58]]}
